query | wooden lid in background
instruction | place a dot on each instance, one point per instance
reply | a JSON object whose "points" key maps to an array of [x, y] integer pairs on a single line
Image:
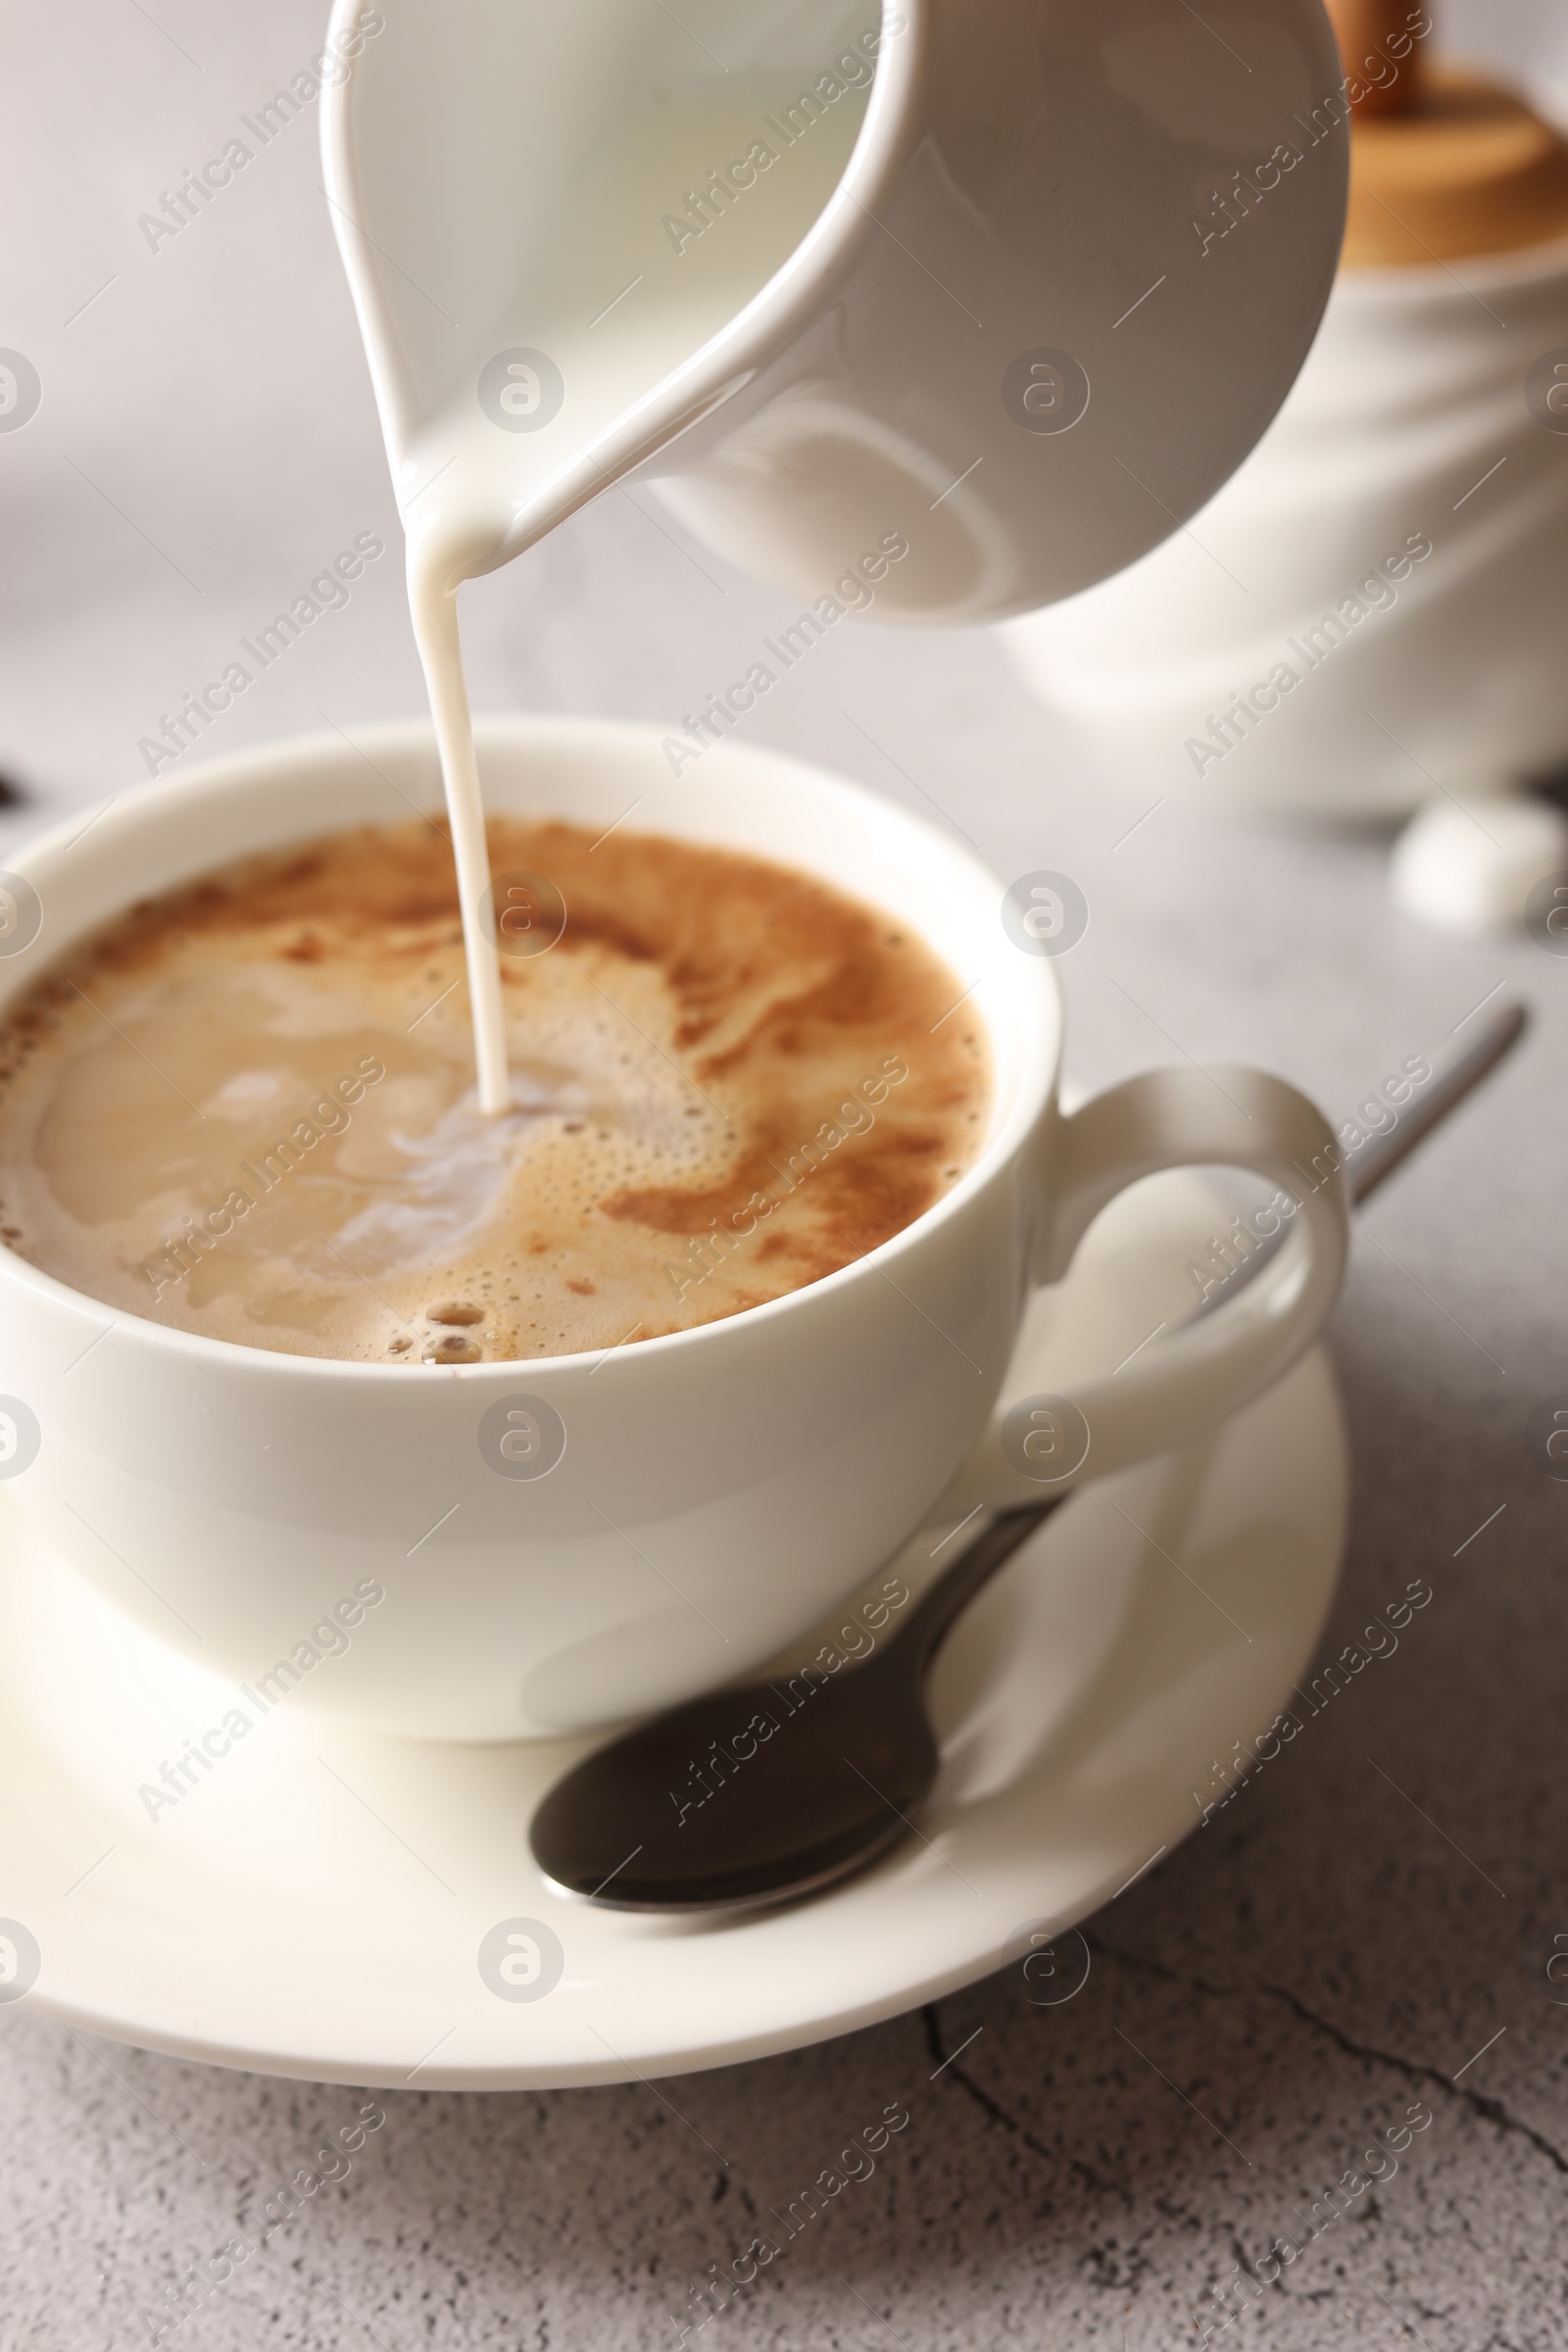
{"points": [[1376, 45], [1444, 161]]}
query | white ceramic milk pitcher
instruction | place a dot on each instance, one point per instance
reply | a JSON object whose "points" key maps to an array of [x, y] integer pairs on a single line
{"points": [[934, 290]]}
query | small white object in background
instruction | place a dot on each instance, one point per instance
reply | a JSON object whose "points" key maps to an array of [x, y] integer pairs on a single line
{"points": [[1475, 873]]}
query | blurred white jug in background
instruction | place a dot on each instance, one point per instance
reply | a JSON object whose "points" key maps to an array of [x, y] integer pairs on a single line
{"points": [[1368, 618]]}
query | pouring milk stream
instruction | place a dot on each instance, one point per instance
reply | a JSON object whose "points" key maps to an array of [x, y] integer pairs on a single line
{"points": [[482, 463], [822, 272]]}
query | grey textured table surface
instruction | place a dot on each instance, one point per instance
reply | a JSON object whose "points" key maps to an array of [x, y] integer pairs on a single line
{"points": [[1300, 1974]]}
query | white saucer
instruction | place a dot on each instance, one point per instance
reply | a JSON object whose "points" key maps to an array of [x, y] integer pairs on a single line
{"points": [[316, 1905]]}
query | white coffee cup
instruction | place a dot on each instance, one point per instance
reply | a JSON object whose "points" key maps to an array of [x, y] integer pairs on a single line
{"points": [[573, 1541]]}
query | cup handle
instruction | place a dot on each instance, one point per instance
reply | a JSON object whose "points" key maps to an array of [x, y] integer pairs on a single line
{"points": [[1207, 1369]]}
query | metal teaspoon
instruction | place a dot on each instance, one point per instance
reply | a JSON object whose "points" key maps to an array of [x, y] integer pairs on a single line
{"points": [[831, 1785]]}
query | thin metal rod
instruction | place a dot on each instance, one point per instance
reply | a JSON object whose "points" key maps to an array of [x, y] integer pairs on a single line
{"points": [[948, 1598], [1452, 1077]]}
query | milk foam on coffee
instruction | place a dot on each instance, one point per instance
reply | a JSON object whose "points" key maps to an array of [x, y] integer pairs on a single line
{"points": [[247, 1108]]}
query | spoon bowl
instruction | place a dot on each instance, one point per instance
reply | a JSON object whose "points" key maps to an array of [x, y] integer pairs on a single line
{"points": [[662, 1821], [772, 1790]]}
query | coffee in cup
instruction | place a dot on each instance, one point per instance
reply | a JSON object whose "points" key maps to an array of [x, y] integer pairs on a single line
{"points": [[246, 1106]]}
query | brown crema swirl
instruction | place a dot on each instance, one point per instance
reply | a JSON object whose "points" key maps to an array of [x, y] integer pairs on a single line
{"points": [[245, 1109]]}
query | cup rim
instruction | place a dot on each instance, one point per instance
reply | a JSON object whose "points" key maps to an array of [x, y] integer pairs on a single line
{"points": [[1040, 1001]]}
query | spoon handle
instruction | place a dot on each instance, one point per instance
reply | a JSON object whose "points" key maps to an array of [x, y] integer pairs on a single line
{"points": [[948, 1598], [1453, 1075]]}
